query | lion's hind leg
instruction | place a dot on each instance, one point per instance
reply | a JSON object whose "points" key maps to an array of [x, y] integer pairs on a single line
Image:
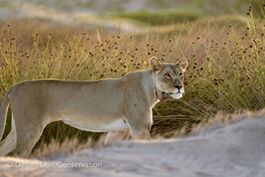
{"points": [[29, 126], [26, 140]]}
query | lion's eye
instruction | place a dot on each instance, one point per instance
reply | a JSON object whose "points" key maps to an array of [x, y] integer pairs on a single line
{"points": [[167, 75], [180, 74]]}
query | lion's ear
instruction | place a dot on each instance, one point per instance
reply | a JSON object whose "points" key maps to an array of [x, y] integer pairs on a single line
{"points": [[183, 63], [155, 64]]}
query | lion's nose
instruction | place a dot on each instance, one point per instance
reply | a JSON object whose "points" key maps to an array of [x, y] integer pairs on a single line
{"points": [[178, 87]]}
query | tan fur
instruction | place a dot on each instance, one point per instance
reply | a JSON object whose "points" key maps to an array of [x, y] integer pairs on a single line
{"points": [[111, 105]]}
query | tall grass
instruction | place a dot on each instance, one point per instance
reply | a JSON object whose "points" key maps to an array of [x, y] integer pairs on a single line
{"points": [[226, 66]]}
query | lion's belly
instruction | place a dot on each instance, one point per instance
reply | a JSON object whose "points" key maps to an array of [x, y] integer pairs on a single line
{"points": [[116, 125]]}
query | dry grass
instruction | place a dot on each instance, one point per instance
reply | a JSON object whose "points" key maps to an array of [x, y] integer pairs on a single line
{"points": [[226, 70], [55, 148]]}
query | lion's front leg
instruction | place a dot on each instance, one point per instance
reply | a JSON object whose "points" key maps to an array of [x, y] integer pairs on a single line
{"points": [[139, 123], [141, 134], [117, 136]]}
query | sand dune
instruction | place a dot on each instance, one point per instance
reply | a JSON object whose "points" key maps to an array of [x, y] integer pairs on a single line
{"points": [[234, 150], [84, 18]]}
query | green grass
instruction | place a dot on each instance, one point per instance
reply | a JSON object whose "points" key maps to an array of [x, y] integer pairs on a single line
{"points": [[161, 17], [193, 10]]}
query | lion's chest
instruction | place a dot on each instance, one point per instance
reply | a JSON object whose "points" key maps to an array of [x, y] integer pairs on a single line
{"points": [[116, 125]]}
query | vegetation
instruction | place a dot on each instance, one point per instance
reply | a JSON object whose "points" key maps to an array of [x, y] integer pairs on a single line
{"points": [[192, 10], [162, 17], [226, 70]]}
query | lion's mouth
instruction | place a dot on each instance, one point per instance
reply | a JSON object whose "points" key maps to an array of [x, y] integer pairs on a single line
{"points": [[170, 95], [177, 95], [174, 95]]}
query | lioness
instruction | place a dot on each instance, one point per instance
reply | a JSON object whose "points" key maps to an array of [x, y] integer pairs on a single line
{"points": [[111, 105]]}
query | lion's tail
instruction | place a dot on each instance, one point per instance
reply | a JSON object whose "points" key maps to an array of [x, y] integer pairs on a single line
{"points": [[3, 113], [9, 143]]}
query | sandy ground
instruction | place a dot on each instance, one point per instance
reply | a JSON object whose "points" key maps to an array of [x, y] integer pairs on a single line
{"points": [[236, 150], [84, 18], [87, 18]]}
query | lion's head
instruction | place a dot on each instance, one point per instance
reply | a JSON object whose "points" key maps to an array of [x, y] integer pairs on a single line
{"points": [[169, 77]]}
